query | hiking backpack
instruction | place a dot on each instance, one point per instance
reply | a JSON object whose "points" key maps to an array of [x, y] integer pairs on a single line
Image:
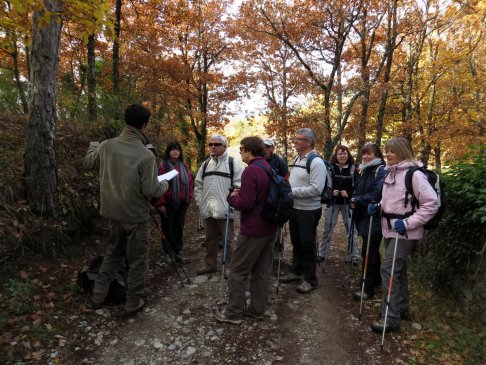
{"points": [[439, 187], [277, 207], [326, 195], [118, 287]]}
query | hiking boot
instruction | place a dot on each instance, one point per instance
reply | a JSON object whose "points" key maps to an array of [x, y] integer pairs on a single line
{"points": [[220, 316], [378, 327], [206, 270], [133, 308], [250, 313], [366, 296], [168, 259], [290, 277], [180, 257], [306, 287], [320, 259]]}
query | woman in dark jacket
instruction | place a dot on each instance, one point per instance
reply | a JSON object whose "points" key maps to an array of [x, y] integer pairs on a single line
{"points": [[367, 189], [344, 175], [173, 204]]}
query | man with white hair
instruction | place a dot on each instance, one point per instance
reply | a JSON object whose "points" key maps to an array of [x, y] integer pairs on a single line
{"points": [[219, 174]]}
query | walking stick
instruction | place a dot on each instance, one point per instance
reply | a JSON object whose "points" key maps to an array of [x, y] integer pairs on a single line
{"points": [[390, 283], [225, 247], [365, 268], [171, 253], [280, 242], [350, 243]]}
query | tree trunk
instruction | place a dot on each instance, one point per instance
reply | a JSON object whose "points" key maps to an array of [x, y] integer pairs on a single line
{"points": [[40, 156], [91, 73], [116, 58]]}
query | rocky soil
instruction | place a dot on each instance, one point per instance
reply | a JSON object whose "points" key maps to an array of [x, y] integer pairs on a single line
{"points": [[177, 325]]}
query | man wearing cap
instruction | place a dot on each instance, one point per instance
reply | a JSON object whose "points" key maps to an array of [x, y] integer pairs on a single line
{"points": [[216, 177], [128, 182], [276, 162]]}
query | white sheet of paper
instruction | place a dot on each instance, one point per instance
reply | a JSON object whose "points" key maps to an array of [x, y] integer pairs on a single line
{"points": [[169, 175]]}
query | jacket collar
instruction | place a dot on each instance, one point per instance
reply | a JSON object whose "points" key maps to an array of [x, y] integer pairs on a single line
{"points": [[132, 134]]}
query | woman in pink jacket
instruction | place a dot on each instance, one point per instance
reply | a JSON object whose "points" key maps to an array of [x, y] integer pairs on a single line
{"points": [[398, 218]]}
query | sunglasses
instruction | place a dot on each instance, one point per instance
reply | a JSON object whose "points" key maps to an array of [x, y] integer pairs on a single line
{"points": [[215, 144]]}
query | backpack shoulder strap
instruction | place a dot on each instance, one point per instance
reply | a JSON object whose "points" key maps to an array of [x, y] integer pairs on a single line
{"points": [[205, 165], [231, 168], [409, 186], [309, 161], [270, 172]]}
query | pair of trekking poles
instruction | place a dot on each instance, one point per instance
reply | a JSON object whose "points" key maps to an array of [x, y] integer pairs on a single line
{"points": [[390, 283], [171, 253]]}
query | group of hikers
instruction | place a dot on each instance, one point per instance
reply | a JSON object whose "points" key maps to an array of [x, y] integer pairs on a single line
{"points": [[371, 197]]}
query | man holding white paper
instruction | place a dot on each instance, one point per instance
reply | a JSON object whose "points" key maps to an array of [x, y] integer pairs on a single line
{"points": [[128, 182]]}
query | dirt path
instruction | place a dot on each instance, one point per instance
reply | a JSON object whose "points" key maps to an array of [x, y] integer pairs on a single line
{"points": [[177, 326]]}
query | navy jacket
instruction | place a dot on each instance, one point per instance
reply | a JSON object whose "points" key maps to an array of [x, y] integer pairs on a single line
{"points": [[367, 189]]}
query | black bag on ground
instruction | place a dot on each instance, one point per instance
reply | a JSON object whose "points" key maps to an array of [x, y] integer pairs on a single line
{"points": [[118, 287]]}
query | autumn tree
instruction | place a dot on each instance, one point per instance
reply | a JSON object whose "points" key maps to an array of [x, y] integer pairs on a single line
{"points": [[40, 157]]}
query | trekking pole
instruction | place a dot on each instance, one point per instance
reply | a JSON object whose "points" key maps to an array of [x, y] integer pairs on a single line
{"points": [[350, 243], [171, 253], [330, 235], [365, 267], [280, 247], [225, 246], [390, 284], [200, 225]]}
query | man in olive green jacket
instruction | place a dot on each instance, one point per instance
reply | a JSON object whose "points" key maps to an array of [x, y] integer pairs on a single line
{"points": [[128, 182]]}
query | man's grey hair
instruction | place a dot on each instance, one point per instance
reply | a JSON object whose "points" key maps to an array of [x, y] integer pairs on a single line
{"points": [[223, 139], [309, 134]]}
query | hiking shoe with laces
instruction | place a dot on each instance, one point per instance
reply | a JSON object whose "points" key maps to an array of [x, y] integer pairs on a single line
{"points": [[378, 327], [366, 296], [250, 313], [220, 316], [180, 257], [306, 287], [133, 308], [169, 259], [290, 277]]}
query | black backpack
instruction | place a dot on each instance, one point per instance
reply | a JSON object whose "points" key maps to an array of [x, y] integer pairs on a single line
{"points": [[118, 287], [326, 195], [437, 184], [277, 207]]}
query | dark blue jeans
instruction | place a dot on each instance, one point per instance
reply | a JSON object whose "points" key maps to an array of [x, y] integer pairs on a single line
{"points": [[303, 233]]}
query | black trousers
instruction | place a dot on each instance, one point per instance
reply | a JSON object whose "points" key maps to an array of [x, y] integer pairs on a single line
{"points": [[303, 230], [373, 275], [173, 226]]}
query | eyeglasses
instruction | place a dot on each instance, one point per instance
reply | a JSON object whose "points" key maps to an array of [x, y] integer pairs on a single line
{"points": [[300, 139], [215, 144], [268, 146]]}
